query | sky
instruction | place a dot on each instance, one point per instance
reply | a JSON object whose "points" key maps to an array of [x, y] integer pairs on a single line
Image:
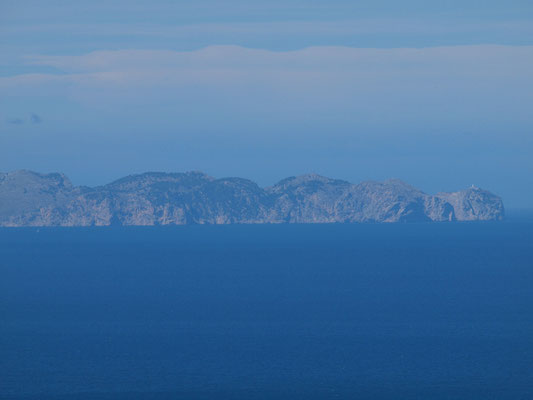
{"points": [[439, 94]]}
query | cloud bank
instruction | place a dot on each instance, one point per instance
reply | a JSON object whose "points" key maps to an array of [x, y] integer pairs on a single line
{"points": [[353, 84], [319, 71], [464, 59]]}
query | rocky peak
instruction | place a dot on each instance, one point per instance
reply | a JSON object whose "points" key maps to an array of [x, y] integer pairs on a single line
{"points": [[145, 180], [308, 182]]}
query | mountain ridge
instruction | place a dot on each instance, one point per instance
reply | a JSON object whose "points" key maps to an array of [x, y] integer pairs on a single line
{"points": [[29, 198]]}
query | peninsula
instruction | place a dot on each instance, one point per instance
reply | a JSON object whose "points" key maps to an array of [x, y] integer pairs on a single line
{"points": [[154, 198]]}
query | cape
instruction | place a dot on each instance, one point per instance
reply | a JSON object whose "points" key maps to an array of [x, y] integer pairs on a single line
{"points": [[154, 198]]}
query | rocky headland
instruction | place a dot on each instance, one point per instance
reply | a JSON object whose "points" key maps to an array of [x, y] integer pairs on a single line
{"points": [[32, 199]]}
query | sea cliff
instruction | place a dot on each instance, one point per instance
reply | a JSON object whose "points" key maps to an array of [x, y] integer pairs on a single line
{"points": [[32, 199]]}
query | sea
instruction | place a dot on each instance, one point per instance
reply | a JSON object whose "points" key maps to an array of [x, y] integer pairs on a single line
{"points": [[319, 311]]}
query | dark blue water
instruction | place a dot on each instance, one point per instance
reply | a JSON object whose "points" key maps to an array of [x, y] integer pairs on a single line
{"points": [[408, 311]]}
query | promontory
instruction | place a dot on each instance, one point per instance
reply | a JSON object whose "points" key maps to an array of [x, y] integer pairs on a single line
{"points": [[154, 198]]}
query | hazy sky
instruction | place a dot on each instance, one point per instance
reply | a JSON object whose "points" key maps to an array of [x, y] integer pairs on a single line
{"points": [[440, 95]]}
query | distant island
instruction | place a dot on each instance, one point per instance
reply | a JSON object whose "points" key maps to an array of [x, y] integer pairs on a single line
{"points": [[154, 198]]}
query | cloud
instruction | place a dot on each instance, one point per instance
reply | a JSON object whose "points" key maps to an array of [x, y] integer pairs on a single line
{"points": [[378, 86], [315, 71], [322, 58], [35, 119]]}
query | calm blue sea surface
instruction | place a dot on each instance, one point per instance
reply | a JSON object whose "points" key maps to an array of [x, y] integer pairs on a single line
{"points": [[404, 311]]}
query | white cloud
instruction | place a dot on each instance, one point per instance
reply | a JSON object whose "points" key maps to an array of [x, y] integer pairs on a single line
{"points": [[428, 81], [458, 60]]}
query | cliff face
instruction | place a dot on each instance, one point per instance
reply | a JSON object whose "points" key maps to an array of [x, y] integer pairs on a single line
{"points": [[32, 199]]}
